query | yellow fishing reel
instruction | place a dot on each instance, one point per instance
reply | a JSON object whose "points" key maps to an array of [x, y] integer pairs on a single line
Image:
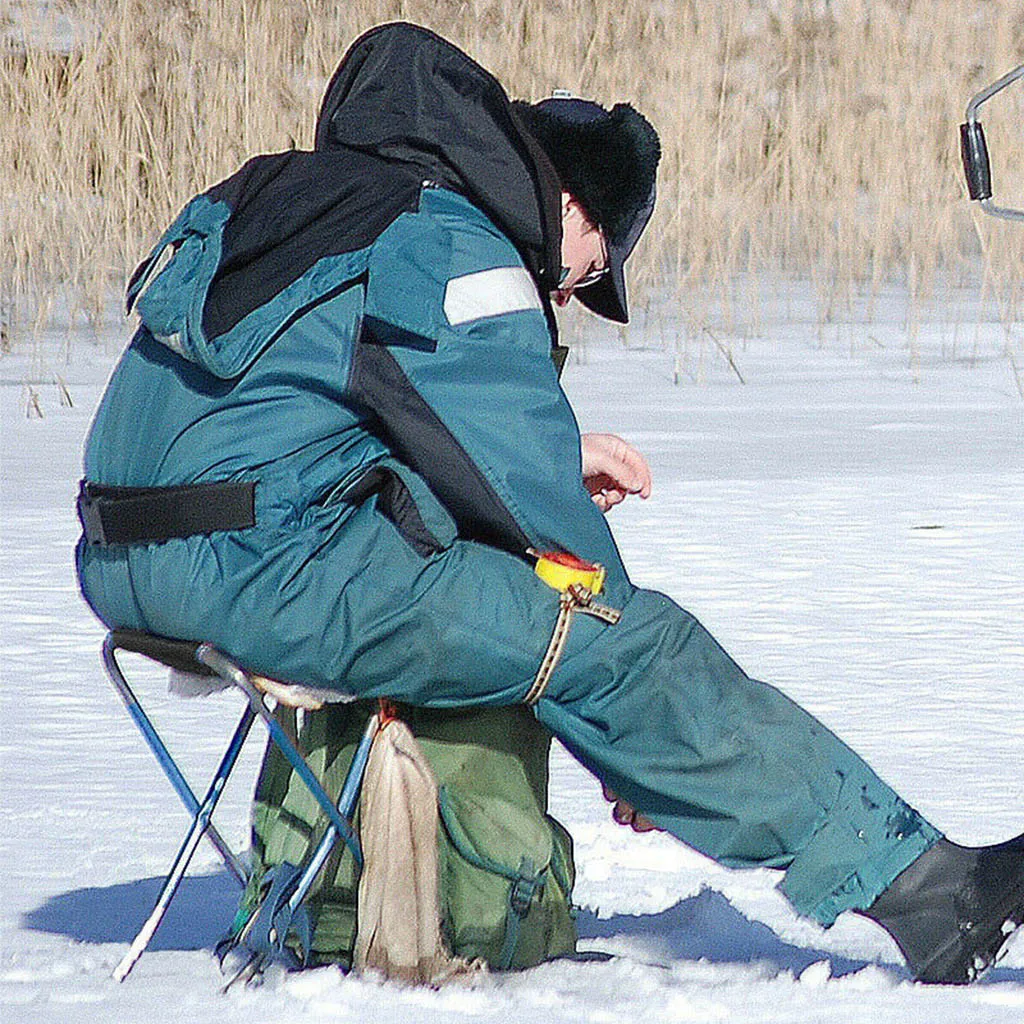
{"points": [[561, 570]]}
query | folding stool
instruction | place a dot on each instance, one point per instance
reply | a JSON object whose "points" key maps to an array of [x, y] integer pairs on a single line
{"points": [[202, 659]]}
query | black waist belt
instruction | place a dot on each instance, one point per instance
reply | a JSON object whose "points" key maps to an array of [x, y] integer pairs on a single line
{"points": [[146, 515]]}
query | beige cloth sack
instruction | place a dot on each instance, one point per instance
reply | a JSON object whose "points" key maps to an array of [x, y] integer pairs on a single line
{"points": [[399, 931]]}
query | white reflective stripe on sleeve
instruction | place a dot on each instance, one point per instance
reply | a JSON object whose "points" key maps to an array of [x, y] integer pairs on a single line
{"points": [[489, 293]]}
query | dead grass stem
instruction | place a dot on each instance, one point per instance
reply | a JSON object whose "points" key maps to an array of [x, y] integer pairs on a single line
{"points": [[811, 140]]}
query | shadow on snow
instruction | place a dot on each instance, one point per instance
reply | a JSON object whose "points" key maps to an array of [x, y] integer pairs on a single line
{"points": [[708, 927], [198, 918], [703, 927]]}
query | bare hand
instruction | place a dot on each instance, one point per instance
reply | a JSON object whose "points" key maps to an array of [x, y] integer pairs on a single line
{"points": [[625, 814], [613, 469]]}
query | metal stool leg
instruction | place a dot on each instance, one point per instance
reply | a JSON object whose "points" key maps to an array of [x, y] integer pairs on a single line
{"points": [[200, 824], [267, 929], [183, 654], [346, 807], [163, 756], [228, 670]]}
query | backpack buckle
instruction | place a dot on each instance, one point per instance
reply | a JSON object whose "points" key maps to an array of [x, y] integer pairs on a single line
{"points": [[524, 888]]}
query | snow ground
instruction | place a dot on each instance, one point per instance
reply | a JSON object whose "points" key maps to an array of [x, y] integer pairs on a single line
{"points": [[849, 523]]}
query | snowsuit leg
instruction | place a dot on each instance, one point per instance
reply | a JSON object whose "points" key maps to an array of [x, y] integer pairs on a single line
{"points": [[658, 710]]}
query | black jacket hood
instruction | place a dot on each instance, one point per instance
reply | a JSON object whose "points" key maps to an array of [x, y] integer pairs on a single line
{"points": [[406, 95]]}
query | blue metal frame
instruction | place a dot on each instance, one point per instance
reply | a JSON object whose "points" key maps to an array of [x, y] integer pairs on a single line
{"points": [[200, 825], [229, 671], [202, 811], [279, 915], [163, 756], [346, 807]]}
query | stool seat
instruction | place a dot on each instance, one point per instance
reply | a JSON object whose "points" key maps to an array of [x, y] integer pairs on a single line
{"points": [[176, 654], [192, 677]]}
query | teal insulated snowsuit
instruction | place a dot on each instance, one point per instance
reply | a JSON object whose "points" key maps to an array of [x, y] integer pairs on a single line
{"points": [[373, 350]]}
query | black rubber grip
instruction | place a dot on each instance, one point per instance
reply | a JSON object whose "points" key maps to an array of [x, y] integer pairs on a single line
{"points": [[975, 157]]}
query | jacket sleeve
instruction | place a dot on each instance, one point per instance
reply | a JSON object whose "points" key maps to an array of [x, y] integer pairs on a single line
{"points": [[454, 361]]}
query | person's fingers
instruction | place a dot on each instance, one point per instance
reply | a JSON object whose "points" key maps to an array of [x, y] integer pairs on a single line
{"points": [[625, 814], [622, 813], [598, 482], [606, 455], [631, 469], [640, 471], [642, 824]]}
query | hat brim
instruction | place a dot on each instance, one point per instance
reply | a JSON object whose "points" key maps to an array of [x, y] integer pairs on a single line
{"points": [[607, 296]]}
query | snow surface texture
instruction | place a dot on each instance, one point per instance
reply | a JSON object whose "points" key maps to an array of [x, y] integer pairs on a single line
{"points": [[850, 525]]}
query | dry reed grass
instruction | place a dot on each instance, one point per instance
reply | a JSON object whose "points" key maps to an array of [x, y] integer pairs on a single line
{"points": [[804, 139]]}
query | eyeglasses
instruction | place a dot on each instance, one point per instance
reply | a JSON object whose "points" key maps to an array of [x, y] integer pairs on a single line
{"points": [[593, 276]]}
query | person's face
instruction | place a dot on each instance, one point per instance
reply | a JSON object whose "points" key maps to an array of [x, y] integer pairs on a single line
{"points": [[584, 254]]}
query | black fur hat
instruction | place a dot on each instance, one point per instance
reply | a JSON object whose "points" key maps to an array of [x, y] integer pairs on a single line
{"points": [[608, 161]]}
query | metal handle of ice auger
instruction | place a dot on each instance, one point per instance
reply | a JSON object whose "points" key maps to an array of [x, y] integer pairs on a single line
{"points": [[974, 150]]}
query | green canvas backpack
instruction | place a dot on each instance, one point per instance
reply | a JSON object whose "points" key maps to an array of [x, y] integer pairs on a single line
{"points": [[506, 866]]}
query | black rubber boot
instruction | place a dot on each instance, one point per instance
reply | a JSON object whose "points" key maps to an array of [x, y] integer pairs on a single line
{"points": [[952, 911]]}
